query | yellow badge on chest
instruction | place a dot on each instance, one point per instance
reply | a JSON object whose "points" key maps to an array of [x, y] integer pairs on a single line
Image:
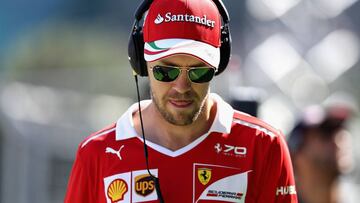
{"points": [[204, 175]]}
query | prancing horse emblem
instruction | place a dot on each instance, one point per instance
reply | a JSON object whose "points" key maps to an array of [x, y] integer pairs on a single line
{"points": [[113, 151], [204, 175]]}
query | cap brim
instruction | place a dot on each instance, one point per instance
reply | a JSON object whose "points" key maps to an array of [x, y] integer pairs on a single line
{"points": [[167, 47]]}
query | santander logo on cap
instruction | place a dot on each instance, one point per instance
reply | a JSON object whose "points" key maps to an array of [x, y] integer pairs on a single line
{"points": [[169, 17], [159, 19], [197, 20]]}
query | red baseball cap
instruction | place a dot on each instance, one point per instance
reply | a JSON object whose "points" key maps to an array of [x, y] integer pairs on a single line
{"points": [[189, 27]]}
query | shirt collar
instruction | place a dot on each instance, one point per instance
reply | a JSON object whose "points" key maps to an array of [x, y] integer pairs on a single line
{"points": [[222, 122]]}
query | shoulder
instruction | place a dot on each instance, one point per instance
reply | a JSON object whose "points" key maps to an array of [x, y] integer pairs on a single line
{"points": [[98, 139], [257, 127], [265, 139]]}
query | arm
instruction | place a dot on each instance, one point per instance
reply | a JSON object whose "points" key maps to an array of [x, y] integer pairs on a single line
{"points": [[78, 189], [278, 184]]}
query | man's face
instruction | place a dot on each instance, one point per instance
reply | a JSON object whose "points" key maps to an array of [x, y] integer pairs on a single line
{"points": [[181, 101], [332, 152]]}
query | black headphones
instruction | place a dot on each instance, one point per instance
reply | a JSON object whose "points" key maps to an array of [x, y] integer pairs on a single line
{"points": [[136, 39]]}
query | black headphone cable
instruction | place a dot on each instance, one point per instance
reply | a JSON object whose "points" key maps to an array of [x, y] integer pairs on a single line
{"points": [[154, 178]]}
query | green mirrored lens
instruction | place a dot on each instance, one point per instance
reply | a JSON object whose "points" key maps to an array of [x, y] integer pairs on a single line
{"points": [[158, 75], [201, 75], [165, 74], [173, 73]]}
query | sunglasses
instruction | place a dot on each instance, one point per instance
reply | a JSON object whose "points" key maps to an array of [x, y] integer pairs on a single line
{"points": [[195, 74]]}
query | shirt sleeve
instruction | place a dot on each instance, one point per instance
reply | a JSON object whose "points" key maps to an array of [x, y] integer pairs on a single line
{"points": [[277, 179], [79, 186]]}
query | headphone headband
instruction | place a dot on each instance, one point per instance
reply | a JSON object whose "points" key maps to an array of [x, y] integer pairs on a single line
{"points": [[222, 10], [143, 7]]}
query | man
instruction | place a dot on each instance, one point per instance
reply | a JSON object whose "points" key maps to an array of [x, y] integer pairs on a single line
{"points": [[200, 149], [321, 151]]}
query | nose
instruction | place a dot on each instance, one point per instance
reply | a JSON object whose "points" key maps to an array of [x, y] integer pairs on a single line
{"points": [[182, 84]]}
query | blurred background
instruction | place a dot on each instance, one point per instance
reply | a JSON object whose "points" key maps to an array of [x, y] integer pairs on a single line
{"points": [[64, 74]]}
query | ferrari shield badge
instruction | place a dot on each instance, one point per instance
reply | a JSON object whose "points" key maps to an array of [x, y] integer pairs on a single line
{"points": [[204, 175]]}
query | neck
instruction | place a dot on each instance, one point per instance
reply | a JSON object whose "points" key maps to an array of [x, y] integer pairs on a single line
{"points": [[172, 136]]}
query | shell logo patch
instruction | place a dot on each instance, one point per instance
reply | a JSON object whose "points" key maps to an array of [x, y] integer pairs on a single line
{"points": [[117, 189], [204, 175]]}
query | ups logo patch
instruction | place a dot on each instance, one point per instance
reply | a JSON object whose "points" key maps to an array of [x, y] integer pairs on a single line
{"points": [[144, 185]]}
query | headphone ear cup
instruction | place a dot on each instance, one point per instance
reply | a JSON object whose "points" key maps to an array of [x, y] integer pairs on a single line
{"points": [[225, 49], [136, 52]]}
